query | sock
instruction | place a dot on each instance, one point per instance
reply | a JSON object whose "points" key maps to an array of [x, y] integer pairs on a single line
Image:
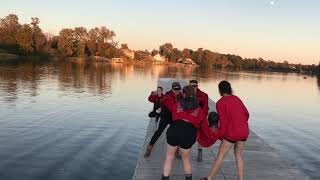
{"points": [[165, 177], [188, 176]]}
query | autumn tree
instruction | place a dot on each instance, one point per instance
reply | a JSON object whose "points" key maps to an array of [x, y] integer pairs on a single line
{"points": [[24, 39], [38, 37], [186, 53], [154, 52], [105, 38], [166, 50], [65, 42], [92, 42], [80, 39], [9, 26], [124, 46]]}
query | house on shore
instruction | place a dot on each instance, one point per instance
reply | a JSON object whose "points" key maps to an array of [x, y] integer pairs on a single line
{"points": [[186, 61], [127, 54], [158, 59], [117, 60]]}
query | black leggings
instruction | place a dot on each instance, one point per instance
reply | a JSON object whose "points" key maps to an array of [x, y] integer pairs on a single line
{"points": [[165, 119]]}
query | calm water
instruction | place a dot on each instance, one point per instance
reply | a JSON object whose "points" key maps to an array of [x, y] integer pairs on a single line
{"points": [[88, 121]]}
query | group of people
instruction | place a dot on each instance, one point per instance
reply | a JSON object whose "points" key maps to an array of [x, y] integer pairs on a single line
{"points": [[186, 110]]}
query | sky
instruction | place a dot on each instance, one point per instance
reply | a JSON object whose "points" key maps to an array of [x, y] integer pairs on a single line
{"points": [[275, 30]]}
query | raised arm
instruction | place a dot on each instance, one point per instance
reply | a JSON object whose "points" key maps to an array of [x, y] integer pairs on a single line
{"points": [[152, 98]]}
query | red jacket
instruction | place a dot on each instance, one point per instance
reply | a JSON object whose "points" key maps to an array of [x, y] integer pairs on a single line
{"points": [[156, 100], [194, 116], [202, 99], [170, 99], [206, 137], [233, 119]]}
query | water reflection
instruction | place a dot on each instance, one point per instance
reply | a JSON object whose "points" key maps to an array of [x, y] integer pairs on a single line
{"points": [[24, 78], [69, 111]]}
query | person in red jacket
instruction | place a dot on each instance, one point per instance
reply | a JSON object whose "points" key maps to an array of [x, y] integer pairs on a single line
{"points": [[202, 99], [187, 117], [233, 129], [165, 118], [156, 98]]}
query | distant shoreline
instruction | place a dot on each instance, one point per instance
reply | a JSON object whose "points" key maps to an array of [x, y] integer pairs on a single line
{"points": [[7, 57]]}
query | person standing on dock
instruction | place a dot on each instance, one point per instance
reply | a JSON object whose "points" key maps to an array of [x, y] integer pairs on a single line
{"points": [[187, 116], [170, 98], [233, 129], [156, 98], [202, 99]]}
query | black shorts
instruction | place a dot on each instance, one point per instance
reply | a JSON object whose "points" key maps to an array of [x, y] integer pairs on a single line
{"points": [[182, 134], [230, 141]]}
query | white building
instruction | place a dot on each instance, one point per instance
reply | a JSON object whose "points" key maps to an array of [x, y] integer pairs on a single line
{"points": [[158, 58]]}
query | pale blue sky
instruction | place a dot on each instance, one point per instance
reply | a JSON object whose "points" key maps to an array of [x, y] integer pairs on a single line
{"points": [[287, 30]]}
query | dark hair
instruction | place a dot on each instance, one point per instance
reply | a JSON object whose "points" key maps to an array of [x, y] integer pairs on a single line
{"points": [[225, 88], [159, 87], [193, 81], [213, 119], [188, 91]]}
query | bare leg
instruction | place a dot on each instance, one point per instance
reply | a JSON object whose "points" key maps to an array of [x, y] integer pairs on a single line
{"points": [[186, 161], [238, 150], [224, 148], [169, 158]]}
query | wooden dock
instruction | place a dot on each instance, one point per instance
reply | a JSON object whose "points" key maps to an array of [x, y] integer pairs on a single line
{"points": [[261, 160]]}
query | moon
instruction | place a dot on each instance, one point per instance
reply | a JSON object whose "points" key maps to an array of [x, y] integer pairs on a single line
{"points": [[272, 3]]}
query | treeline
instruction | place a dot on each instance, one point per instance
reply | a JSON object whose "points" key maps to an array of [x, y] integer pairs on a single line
{"points": [[204, 57], [29, 39]]}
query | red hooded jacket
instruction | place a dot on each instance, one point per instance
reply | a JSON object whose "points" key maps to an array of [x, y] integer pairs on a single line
{"points": [[194, 116], [170, 99], [233, 119], [156, 100], [202, 99]]}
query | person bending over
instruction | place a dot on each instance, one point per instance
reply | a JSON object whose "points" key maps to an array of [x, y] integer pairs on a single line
{"points": [[233, 128], [165, 116], [156, 98], [187, 116]]}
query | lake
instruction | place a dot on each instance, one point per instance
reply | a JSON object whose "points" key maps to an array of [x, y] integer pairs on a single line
{"points": [[68, 120]]}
